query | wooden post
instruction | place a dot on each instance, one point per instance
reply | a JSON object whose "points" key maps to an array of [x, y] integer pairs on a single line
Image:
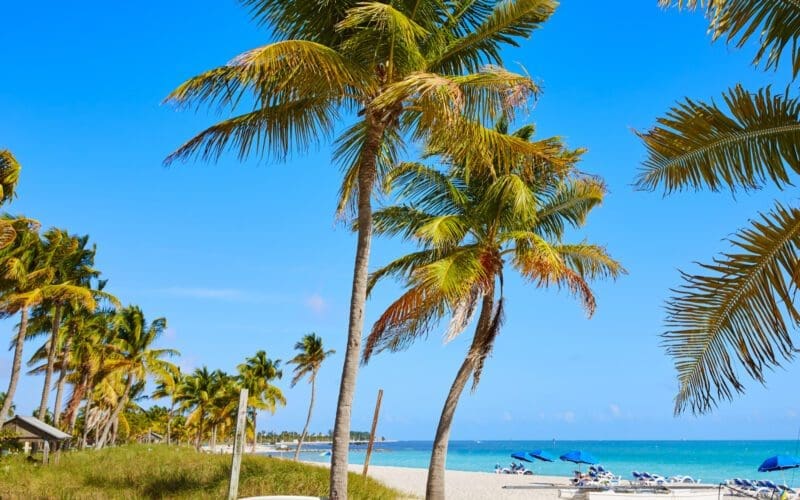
{"points": [[46, 453], [372, 432], [238, 445]]}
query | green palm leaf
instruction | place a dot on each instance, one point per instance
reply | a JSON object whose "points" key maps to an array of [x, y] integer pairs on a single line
{"points": [[742, 304], [701, 145], [776, 23]]}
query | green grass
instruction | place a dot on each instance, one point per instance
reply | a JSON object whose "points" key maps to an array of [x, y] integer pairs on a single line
{"points": [[159, 471]]}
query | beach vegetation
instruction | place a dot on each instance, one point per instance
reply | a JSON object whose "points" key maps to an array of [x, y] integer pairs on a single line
{"points": [[160, 471], [737, 314]]}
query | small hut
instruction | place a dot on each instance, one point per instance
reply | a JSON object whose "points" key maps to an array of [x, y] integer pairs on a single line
{"points": [[151, 438], [31, 430]]}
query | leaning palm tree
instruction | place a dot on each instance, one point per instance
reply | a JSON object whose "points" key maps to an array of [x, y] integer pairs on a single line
{"points": [[738, 313], [134, 356], [407, 70], [307, 363], [467, 225], [256, 375]]}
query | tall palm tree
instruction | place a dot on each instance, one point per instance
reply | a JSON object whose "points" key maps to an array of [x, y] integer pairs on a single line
{"points": [[195, 394], [256, 375], [418, 70], [135, 356], [307, 362], [467, 225], [167, 386], [26, 281], [738, 312]]}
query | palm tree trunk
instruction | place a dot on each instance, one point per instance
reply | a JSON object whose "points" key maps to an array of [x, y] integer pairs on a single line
{"points": [[114, 429], [436, 469], [341, 430], [78, 392], [51, 361], [117, 410], [255, 431], [199, 430], [62, 378], [169, 423], [214, 439], [308, 418], [86, 410], [15, 366]]}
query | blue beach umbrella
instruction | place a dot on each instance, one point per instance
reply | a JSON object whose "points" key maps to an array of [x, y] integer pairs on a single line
{"points": [[779, 462], [542, 455], [520, 455], [578, 457]]}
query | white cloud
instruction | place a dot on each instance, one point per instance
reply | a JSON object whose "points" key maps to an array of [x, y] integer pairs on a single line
{"points": [[222, 294], [316, 303], [568, 416], [507, 416], [615, 411]]}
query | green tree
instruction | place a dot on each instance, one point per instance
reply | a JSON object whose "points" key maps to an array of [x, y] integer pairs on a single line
{"points": [[134, 356], [307, 363], [195, 395], [9, 177], [738, 311], [167, 386], [408, 70], [467, 225], [256, 375]]}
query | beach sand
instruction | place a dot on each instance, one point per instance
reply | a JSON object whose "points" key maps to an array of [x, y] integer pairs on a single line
{"points": [[469, 485]]}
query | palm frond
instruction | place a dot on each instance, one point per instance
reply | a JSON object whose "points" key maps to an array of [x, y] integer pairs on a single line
{"points": [[274, 74], [776, 23], [701, 145], [483, 344], [428, 189], [275, 130], [307, 20], [509, 21], [383, 18], [9, 175], [742, 309], [403, 266], [569, 204]]}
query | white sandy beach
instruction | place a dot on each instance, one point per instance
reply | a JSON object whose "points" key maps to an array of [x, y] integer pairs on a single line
{"points": [[469, 485]]}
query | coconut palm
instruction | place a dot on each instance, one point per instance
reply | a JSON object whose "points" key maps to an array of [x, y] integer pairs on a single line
{"points": [[134, 356], [9, 176], [467, 225], [256, 375], [738, 313], [26, 281], [195, 394], [307, 363], [407, 70], [167, 386]]}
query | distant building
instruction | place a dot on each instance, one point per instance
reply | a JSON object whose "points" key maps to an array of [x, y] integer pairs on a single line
{"points": [[32, 431]]}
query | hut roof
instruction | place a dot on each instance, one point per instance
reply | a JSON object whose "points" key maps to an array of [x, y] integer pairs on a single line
{"points": [[31, 427]]}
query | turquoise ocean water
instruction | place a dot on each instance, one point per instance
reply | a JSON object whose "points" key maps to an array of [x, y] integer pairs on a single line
{"points": [[710, 461]]}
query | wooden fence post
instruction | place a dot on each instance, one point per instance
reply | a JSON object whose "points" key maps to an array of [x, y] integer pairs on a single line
{"points": [[238, 444], [372, 432]]}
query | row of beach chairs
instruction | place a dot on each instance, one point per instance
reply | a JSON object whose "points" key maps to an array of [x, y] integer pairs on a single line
{"points": [[761, 487], [648, 479]]}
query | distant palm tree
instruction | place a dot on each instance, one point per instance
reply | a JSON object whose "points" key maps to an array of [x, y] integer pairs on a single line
{"points": [[307, 362], [407, 70], [167, 386], [739, 311], [2, 402], [467, 226], [256, 375], [195, 395], [134, 356]]}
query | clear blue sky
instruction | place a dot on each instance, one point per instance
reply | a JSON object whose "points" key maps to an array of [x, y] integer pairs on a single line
{"points": [[241, 257]]}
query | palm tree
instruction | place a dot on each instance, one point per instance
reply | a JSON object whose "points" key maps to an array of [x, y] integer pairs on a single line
{"points": [[26, 281], [167, 386], [256, 375], [195, 394], [739, 311], [467, 226], [9, 176], [418, 70], [134, 356], [307, 362]]}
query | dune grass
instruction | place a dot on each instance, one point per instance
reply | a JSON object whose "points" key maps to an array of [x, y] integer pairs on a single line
{"points": [[159, 471]]}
